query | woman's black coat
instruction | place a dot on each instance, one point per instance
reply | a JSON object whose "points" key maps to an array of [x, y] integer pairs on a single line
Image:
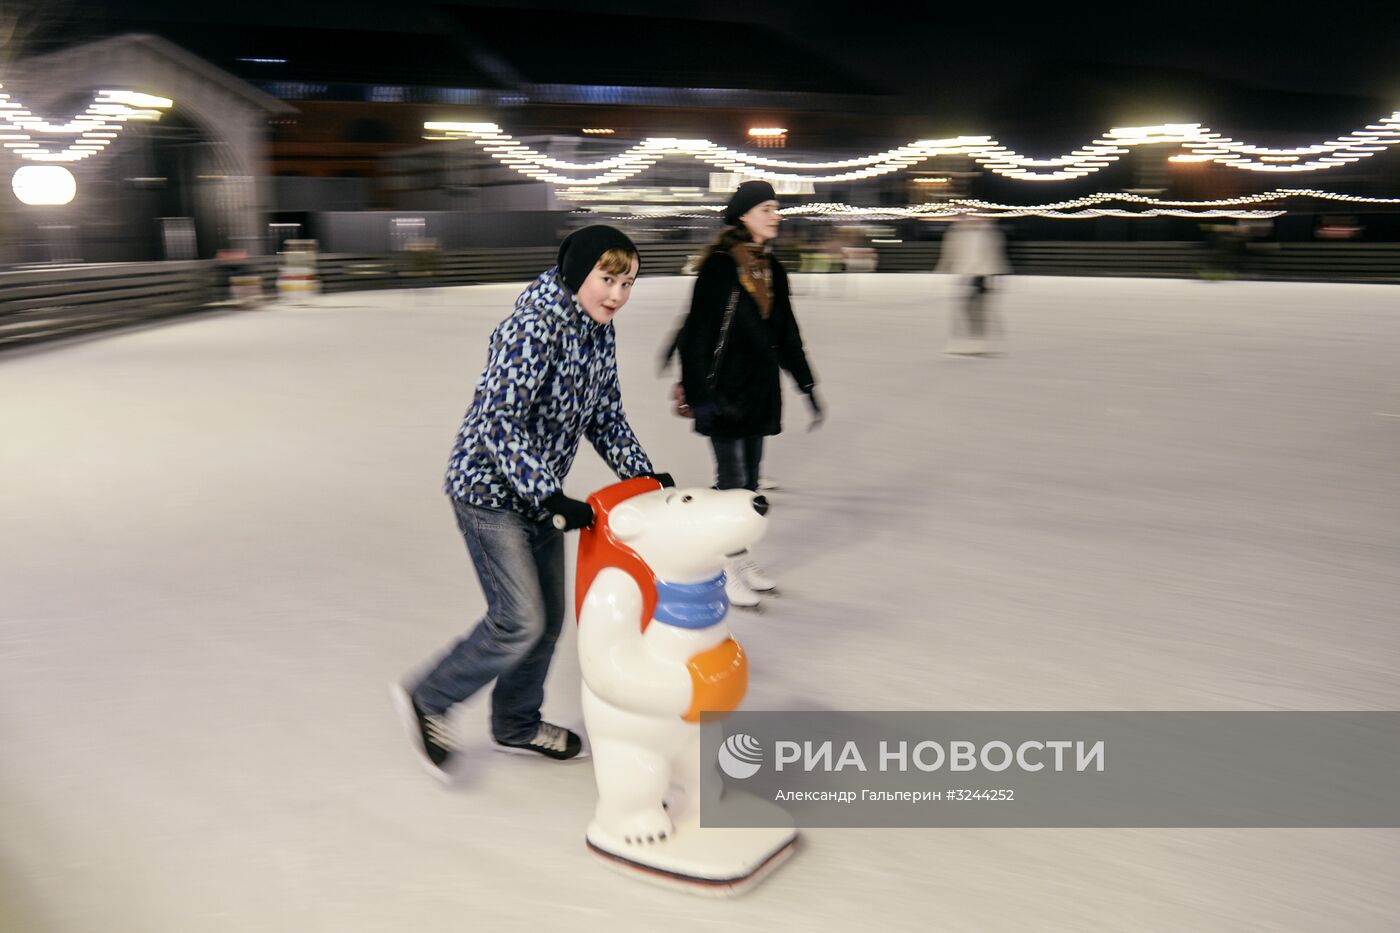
{"points": [[747, 395]]}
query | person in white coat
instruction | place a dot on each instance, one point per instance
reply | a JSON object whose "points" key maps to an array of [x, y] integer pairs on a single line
{"points": [[975, 250]]}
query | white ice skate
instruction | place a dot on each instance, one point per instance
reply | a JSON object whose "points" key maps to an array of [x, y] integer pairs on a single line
{"points": [[738, 591], [753, 576]]}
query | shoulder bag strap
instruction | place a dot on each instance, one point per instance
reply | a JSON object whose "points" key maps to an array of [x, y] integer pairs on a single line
{"points": [[723, 338]]}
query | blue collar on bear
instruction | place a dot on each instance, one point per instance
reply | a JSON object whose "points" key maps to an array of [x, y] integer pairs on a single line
{"points": [[691, 605]]}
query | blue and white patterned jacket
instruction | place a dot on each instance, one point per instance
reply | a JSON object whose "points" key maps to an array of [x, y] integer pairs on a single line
{"points": [[550, 379]]}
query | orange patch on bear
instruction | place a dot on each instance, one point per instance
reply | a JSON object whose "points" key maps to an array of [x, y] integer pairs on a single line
{"points": [[719, 679]]}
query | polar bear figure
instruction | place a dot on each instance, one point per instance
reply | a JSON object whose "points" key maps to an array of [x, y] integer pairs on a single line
{"points": [[653, 646]]}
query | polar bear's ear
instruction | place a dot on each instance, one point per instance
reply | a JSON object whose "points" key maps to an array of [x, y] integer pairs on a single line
{"points": [[626, 522]]}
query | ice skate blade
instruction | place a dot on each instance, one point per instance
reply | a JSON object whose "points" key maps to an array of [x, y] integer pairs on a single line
{"points": [[583, 754], [707, 862]]}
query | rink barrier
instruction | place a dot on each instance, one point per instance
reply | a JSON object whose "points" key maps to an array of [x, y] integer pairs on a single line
{"points": [[469, 267], [50, 302], [55, 301], [1155, 259], [64, 301], [1378, 263]]}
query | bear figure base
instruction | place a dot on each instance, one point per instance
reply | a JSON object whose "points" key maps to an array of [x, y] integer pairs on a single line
{"points": [[709, 861]]}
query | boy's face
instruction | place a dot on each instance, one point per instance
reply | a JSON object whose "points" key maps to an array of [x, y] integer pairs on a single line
{"points": [[604, 293]]}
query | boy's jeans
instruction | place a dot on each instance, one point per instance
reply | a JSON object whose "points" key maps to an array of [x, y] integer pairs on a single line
{"points": [[520, 564]]}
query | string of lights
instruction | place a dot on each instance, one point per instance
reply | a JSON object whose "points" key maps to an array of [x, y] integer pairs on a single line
{"points": [[1201, 144], [935, 212], [1277, 194], [954, 209], [90, 132], [956, 206]]}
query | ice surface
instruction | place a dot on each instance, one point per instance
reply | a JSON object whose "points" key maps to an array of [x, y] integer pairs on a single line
{"points": [[220, 538]]}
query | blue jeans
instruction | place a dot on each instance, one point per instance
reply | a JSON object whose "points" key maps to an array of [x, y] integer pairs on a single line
{"points": [[520, 564], [736, 462]]}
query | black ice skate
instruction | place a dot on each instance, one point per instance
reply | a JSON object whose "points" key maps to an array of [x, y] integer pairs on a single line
{"points": [[550, 741], [430, 735]]}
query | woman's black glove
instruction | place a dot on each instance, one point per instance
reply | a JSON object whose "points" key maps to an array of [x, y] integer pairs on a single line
{"points": [[664, 479], [568, 514], [814, 403], [704, 415]]}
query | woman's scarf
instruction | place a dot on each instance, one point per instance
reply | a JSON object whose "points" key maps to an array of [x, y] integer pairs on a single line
{"points": [[755, 274]]}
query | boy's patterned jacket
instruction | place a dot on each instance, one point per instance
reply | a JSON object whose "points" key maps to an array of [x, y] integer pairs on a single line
{"points": [[550, 378]]}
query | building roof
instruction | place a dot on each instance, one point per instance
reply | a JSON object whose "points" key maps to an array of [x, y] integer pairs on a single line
{"points": [[274, 53], [568, 47], [116, 47]]}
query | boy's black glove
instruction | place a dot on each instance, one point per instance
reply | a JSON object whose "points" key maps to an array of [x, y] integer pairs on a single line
{"points": [[663, 478], [568, 514]]}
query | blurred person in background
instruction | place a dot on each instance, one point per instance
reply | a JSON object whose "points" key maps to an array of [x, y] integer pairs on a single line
{"points": [[550, 380], [975, 250], [834, 254], [857, 255], [739, 333]]}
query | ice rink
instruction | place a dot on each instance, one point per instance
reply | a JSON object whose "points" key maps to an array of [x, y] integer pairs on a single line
{"points": [[221, 538]]}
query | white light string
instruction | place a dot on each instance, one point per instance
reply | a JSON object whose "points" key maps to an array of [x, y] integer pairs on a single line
{"points": [[91, 131], [954, 206], [931, 212], [848, 210], [1277, 194], [1201, 143]]}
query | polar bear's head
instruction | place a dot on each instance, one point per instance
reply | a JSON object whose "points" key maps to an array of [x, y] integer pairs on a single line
{"points": [[685, 535], [675, 535]]}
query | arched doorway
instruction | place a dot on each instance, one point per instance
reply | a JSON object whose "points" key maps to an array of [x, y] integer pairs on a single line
{"points": [[184, 186]]}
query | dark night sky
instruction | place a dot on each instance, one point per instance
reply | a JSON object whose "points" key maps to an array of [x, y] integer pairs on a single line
{"points": [[1310, 70]]}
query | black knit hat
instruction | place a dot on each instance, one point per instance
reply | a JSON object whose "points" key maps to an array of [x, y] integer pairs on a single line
{"points": [[580, 251], [749, 195]]}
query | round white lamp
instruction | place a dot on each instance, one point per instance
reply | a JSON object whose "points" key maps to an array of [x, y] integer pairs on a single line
{"points": [[50, 185]]}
